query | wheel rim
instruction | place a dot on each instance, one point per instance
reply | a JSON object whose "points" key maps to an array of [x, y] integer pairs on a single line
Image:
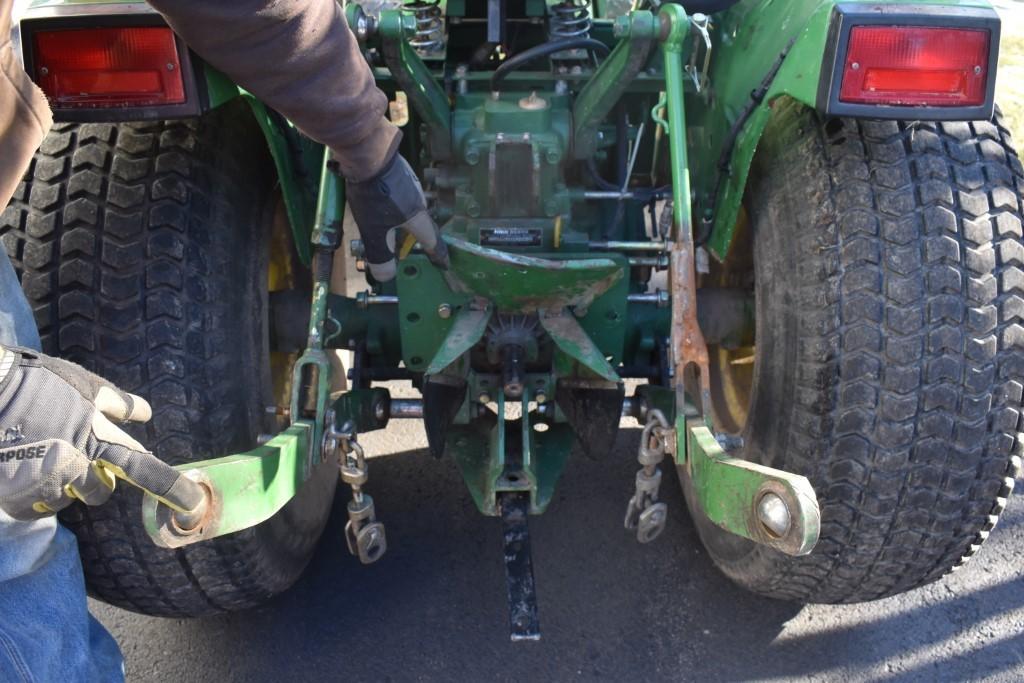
{"points": [[732, 380], [732, 364]]}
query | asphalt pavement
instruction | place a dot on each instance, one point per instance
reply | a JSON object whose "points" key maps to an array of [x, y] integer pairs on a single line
{"points": [[434, 608]]}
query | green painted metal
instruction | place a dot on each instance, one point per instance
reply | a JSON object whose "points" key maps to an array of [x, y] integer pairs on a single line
{"points": [[728, 491], [550, 452], [748, 42], [415, 79], [469, 327], [219, 88], [525, 284], [673, 46], [424, 295], [573, 342], [350, 324], [296, 159], [612, 79], [330, 205], [511, 156], [423, 299], [481, 450], [647, 327], [312, 372], [247, 488]]}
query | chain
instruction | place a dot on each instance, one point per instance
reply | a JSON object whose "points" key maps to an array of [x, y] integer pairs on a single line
{"points": [[644, 513], [364, 534]]}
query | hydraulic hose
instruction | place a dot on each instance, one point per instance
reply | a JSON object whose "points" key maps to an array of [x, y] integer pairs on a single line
{"points": [[543, 50]]}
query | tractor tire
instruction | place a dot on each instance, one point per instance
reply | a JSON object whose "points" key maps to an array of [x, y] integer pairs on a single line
{"points": [[143, 249], [888, 271]]}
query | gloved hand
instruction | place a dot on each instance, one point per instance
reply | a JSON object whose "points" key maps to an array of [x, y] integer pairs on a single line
{"points": [[58, 444], [390, 200]]}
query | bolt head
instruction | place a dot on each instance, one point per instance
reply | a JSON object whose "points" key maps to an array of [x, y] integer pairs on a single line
{"points": [[621, 27], [774, 515], [484, 397], [855, 66], [444, 311]]}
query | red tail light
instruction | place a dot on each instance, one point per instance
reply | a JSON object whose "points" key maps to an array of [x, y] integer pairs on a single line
{"points": [[108, 67], [916, 66]]}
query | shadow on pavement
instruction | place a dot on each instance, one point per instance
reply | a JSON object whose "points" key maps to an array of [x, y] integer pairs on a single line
{"points": [[434, 607]]}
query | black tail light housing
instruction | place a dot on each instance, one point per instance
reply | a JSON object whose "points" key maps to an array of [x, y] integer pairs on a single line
{"points": [[915, 62], [111, 67]]}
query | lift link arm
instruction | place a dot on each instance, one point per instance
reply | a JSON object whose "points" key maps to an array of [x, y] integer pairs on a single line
{"points": [[248, 488], [765, 505]]}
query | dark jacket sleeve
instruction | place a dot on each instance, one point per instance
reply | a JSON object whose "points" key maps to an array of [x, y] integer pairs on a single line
{"points": [[300, 58]]}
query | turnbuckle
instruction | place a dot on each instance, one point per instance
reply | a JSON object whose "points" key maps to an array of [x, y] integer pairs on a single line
{"points": [[644, 513], [364, 534]]}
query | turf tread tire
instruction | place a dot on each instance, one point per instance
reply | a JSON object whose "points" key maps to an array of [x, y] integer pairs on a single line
{"points": [[890, 269], [140, 250]]}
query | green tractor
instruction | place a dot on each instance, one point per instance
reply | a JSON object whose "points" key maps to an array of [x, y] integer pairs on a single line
{"points": [[785, 237]]}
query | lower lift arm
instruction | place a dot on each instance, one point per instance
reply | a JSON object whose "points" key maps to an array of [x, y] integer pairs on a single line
{"points": [[765, 505]]}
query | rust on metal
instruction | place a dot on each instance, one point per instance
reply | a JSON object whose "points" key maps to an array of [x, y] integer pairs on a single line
{"points": [[688, 346]]}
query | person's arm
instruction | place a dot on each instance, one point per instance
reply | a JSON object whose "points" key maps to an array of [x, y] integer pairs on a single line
{"points": [[300, 58]]}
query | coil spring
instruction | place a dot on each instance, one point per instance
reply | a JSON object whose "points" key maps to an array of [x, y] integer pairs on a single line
{"points": [[429, 35], [570, 19]]}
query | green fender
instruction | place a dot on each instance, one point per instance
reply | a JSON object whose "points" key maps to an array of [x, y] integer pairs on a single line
{"points": [[750, 41], [297, 159]]}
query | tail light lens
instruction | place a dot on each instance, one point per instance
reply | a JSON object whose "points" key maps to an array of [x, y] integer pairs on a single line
{"points": [[108, 67], [916, 66]]}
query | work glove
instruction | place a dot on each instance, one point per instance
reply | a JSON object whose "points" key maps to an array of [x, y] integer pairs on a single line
{"points": [[390, 200], [58, 443]]}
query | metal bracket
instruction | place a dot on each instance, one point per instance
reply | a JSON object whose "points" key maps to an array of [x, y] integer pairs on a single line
{"points": [[700, 25], [519, 283], [768, 506], [637, 32]]}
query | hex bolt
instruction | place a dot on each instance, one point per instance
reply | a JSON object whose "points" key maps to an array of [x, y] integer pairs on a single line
{"points": [[855, 66], [444, 311], [540, 397], [774, 515], [484, 397]]}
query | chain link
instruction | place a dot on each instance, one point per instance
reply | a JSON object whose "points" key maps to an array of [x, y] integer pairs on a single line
{"points": [[365, 536], [644, 513]]}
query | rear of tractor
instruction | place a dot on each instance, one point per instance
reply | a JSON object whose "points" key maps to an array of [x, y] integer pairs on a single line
{"points": [[797, 226]]}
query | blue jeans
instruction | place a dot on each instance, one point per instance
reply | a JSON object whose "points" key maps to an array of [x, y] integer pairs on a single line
{"points": [[46, 631]]}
